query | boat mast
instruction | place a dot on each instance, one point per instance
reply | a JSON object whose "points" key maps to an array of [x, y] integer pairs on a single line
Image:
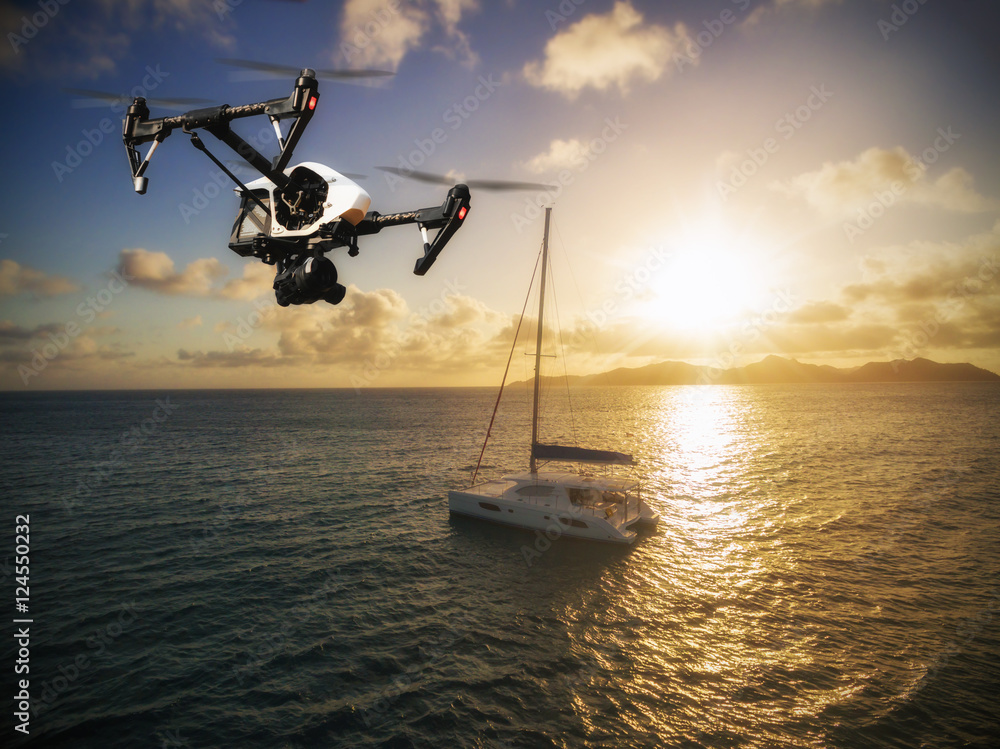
{"points": [[538, 343]]}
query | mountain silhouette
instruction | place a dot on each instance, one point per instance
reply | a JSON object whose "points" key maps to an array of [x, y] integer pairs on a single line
{"points": [[777, 370]]}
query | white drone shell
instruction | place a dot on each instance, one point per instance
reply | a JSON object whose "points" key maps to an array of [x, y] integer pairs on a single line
{"points": [[345, 199]]}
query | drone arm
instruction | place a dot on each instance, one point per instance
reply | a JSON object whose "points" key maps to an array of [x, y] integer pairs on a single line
{"points": [[447, 218], [249, 154], [139, 129]]}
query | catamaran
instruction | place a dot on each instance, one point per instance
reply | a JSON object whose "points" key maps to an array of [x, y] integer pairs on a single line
{"points": [[580, 505]]}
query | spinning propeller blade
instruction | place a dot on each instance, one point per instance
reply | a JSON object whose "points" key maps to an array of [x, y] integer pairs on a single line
{"points": [[103, 98], [481, 184], [286, 71]]}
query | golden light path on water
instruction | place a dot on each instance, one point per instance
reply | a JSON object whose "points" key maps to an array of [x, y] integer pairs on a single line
{"points": [[712, 614]]}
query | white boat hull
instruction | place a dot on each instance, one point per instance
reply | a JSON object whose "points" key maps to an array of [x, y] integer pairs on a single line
{"points": [[558, 505], [549, 521]]}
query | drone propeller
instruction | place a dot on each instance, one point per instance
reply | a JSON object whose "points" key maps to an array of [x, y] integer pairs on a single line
{"points": [[102, 98], [481, 184], [285, 71]]}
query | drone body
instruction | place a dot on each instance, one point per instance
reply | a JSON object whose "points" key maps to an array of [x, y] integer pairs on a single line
{"points": [[292, 216]]}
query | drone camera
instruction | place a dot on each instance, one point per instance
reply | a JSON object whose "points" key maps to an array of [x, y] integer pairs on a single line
{"points": [[308, 280]]}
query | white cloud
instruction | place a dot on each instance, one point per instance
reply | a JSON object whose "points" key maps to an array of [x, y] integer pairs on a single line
{"points": [[606, 51], [562, 154], [374, 33]]}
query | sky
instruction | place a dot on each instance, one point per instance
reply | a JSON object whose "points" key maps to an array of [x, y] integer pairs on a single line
{"points": [[730, 179]]}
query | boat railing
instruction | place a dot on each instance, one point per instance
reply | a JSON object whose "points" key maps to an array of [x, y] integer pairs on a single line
{"points": [[614, 512]]}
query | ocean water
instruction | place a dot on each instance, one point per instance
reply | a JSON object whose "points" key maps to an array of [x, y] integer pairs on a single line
{"points": [[278, 569]]}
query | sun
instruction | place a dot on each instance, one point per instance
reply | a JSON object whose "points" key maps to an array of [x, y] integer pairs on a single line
{"points": [[709, 281]]}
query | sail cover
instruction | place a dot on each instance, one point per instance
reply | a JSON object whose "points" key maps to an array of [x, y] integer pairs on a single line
{"points": [[579, 454]]}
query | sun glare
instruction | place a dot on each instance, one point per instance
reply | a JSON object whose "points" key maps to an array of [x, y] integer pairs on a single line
{"points": [[707, 282]]}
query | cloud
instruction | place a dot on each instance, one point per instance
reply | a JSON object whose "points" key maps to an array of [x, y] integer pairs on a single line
{"points": [[190, 322], [257, 280], [374, 33], [231, 359], [18, 279], [761, 11], [155, 271], [936, 295], [815, 313], [606, 51], [842, 187], [358, 328], [86, 40], [779, 4], [562, 154], [9, 332]]}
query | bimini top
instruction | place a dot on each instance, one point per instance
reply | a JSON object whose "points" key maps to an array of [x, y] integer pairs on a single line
{"points": [[575, 480], [579, 455]]}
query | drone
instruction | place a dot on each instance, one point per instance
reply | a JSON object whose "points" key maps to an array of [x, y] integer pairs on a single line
{"points": [[292, 216]]}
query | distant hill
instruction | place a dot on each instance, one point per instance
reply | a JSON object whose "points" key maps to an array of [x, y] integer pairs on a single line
{"points": [[776, 370]]}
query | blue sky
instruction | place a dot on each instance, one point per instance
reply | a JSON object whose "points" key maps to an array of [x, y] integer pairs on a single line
{"points": [[731, 179]]}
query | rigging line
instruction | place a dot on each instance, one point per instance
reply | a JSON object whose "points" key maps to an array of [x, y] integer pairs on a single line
{"points": [[506, 369], [568, 265]]}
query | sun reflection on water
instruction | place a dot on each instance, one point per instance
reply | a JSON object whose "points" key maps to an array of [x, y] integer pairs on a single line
{"points": [[723, 629]]}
